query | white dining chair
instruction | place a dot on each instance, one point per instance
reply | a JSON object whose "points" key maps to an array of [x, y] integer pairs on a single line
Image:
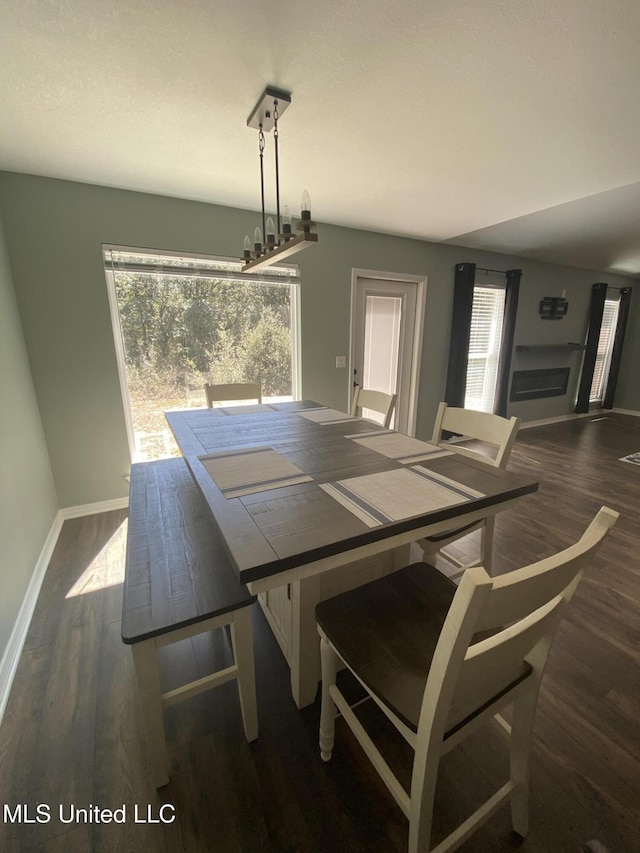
{"points": [[496, 436], [440, 660], [233, 391], [376, 401]]}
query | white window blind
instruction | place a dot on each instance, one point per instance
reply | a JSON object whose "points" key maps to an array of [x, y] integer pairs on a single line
{"points": [[484, 347], [605, 348], [174, 264]]}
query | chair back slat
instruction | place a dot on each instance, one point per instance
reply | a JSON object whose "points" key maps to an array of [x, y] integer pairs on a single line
{"points": [[232, 391], [493, 665], [525, 606], [522, 591], [492, 429], [377, 401]]}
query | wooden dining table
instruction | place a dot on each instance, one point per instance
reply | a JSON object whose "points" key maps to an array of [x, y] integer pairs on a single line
{"points": [[311, 501]]}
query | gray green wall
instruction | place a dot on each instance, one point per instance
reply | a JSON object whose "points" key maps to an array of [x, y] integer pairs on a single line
{"points": [[628, 388], [28, 502], [54, 231]]}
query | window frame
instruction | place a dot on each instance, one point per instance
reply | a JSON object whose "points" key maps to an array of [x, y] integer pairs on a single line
{"points": [[493, 353], [606, 360], [292, 280]]}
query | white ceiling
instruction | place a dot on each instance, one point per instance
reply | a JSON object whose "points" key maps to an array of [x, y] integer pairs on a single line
{"points": [[511, 125]]}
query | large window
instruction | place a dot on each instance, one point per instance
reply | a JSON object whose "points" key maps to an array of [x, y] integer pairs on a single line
{"points": [[605, 348], [182, 321], [484, 347]]}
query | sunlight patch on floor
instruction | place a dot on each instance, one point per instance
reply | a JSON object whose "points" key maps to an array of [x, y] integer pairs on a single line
{"points": [[107, 567]]}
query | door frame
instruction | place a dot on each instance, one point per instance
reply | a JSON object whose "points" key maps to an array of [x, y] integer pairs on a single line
{"points": [[418, 332]]}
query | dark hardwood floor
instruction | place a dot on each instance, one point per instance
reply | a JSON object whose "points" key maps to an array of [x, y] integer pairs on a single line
{"points": [[72, 733]]}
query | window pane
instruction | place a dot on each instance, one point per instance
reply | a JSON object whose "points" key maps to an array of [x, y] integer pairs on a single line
{"points": [[180, 331], [605, 347], [484, 347], [383, 317]]}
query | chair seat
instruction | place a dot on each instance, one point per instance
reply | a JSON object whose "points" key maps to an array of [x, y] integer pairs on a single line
{"points": [[387, 632]]}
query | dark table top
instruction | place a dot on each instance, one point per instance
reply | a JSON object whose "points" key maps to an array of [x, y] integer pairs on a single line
{"points": [[271, 531]]}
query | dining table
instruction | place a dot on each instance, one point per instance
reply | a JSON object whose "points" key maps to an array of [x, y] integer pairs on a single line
{"points": [[311, 501]]}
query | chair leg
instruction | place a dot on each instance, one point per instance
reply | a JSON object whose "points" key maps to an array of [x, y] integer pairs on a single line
{"points": [[242, 642], [524, 711], [424, 779], [486, 545], [329, 661]]}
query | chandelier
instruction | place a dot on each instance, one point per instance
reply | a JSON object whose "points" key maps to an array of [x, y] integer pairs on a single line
{"points": [[279, 239]]}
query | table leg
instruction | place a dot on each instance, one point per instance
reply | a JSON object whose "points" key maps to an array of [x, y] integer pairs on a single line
{"points": [[306, 593], [305, 642], [401, 556]]}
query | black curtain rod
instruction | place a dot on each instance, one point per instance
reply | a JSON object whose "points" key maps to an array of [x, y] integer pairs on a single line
{"points": [[500, 272]]}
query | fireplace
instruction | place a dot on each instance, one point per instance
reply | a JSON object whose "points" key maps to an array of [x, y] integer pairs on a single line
{"points": [[533, 384]]}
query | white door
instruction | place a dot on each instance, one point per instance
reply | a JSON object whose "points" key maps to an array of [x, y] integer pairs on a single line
{"points": [[386, 325]]}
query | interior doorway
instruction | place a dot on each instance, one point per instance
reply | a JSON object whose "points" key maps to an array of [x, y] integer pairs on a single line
{"points": [[387, 319]]}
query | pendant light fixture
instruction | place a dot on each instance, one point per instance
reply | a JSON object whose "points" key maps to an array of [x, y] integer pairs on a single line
{"points": [[275, 240]]}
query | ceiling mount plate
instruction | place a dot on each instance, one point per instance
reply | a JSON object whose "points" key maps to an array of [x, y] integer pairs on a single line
{"points": [[263, 110]]}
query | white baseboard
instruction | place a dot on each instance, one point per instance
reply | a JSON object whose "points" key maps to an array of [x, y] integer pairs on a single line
{"points": [[626, 412], [92, 509], [11, 656], [544, 421], [596, 413]]}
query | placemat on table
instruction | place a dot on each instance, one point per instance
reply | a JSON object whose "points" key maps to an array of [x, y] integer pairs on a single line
{"points": [[396, 445], [325, 415], [255, 469], [395, 495]]}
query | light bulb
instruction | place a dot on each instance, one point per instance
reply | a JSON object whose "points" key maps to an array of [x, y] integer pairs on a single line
{"points": [[286, 220], [257, 240], [271, 231], [305, 206], [247, 246]]}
